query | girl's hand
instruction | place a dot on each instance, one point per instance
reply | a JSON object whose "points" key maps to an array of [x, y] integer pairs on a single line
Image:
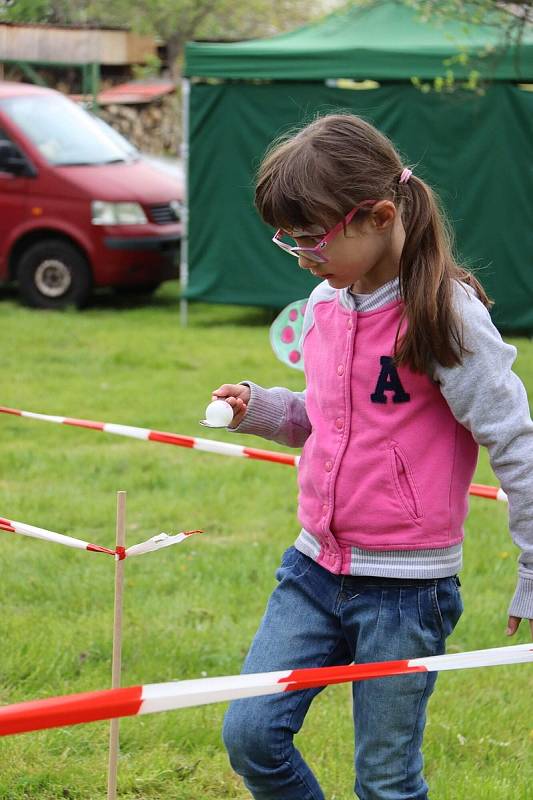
{"points": [[514, 622], [237, 396]]}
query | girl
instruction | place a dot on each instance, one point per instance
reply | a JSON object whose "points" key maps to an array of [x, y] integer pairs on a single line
{"points": [[405, 377]]}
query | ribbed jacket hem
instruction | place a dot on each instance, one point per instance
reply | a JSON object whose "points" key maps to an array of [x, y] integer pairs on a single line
{"points": [[431, 563]]}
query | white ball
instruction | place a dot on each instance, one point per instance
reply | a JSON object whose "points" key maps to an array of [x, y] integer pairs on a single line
{"points": [[219, 413]]}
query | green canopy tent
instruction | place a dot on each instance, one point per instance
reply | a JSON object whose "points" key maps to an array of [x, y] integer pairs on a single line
{"points": [[476, 150]]}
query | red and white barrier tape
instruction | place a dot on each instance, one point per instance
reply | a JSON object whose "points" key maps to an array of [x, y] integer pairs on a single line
{"points": [[155, 543], [492, 492], [207, 445], [151, 698]]}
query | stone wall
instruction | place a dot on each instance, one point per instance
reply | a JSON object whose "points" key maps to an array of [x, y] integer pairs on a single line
{"points": [[152, 127]]}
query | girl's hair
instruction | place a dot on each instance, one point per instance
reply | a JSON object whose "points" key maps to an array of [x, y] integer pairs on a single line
{"points": [[319, 174]]}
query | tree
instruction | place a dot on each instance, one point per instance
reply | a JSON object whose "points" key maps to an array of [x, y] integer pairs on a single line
{"points": [[509, 19], [59, 12], [175, 22], [178, 22]]}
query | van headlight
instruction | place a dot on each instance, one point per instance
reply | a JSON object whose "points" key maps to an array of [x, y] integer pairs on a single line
{"points": [[103, 213], [177, 208]]}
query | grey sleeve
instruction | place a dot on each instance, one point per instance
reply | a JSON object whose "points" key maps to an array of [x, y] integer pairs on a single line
{"points": [[277, 414], [490, 400]]}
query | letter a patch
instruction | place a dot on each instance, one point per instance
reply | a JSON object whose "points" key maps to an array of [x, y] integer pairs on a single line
{"points": [[389, 381]]}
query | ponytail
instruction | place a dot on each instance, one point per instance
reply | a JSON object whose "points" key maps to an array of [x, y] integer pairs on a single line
{"points": [[428, 273]]}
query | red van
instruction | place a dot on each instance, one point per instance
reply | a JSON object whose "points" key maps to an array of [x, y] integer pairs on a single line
{"points": [[78, 209]]}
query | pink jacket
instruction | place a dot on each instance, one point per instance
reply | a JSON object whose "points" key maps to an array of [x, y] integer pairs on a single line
{"points": [[387, 466]]}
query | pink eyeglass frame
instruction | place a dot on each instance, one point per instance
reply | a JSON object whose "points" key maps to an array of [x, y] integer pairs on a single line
{"points": [[313, 253]]}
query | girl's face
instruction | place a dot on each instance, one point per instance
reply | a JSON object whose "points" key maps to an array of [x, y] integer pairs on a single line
{"points": [[365, 257]]}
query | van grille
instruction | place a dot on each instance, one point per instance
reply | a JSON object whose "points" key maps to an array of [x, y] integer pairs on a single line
{"points": [[165, 213]]}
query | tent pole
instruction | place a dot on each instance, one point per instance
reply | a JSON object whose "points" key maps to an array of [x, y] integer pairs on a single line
{"points": [[184, 249]]}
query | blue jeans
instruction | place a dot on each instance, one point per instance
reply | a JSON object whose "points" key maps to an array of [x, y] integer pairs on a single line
{"points": [[316, 619]]}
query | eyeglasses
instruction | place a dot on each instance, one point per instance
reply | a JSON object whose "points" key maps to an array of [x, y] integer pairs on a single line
{"points": [[315, 253]]}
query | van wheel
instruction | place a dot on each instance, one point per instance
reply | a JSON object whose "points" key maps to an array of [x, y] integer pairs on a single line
{"points": [[53, 274]]}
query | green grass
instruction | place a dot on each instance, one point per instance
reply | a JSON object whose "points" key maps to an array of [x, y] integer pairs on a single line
{"points": [[192, 610]]}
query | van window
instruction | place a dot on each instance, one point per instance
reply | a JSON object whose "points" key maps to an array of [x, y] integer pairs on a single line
{"points": [[64, 133]]}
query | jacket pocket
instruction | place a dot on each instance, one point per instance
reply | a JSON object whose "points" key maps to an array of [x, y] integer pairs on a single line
{"points": [[404, 482]]}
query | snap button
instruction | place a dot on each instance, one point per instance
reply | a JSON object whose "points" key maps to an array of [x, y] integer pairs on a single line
{"points": [[328, 466], [339, 424], [324, 509], [340, 370]]}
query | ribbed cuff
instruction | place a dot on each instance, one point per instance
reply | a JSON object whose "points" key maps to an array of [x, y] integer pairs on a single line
{"points": [[522, 602], [265, 413]]}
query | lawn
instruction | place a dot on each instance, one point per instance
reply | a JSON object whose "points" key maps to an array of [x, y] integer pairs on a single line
{"points": [[191, 610]]}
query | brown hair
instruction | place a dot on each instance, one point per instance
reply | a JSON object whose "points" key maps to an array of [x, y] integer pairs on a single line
{"points": [[318, 174]]}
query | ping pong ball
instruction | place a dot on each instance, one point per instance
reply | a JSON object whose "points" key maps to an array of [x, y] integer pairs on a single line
{"points": [[219, 413]]}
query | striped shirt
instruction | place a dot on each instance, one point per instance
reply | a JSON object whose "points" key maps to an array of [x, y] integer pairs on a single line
{"points": [[387, 293]]}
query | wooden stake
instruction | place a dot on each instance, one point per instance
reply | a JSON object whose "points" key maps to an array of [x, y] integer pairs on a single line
{"points": [[117, 645]]}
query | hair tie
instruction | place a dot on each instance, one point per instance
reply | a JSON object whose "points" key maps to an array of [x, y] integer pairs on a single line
{"points": [[406, 174]]}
